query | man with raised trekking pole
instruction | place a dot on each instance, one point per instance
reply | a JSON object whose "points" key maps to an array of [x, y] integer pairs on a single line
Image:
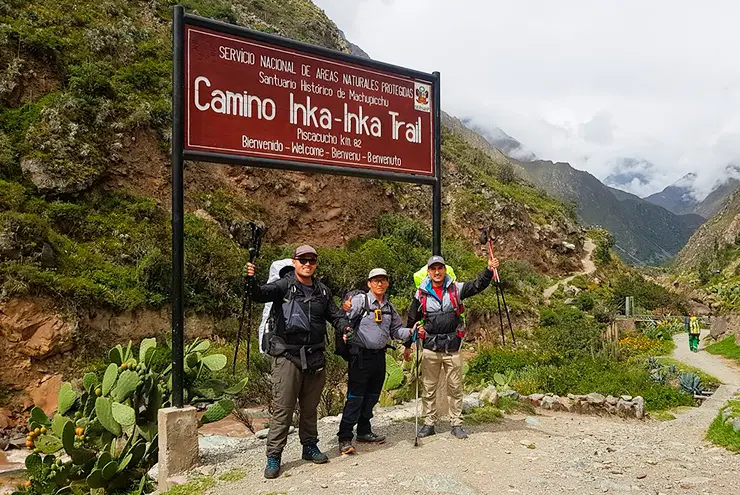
{"points": [[438, 303], [374, 322], [301, 307]]}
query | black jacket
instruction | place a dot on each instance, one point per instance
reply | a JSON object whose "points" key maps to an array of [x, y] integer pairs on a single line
{"points": [[303, 346], [441, 322]]}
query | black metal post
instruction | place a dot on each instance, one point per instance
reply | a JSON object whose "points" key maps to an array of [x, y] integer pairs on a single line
{"points": [[178, 165], [437, 192]]}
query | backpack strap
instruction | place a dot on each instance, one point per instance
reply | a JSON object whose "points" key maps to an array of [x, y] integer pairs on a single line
{"points": [[457, 304], [422, 297]]}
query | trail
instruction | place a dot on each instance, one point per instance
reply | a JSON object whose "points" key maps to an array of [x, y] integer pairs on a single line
{"points": [[588, 267], [571, 454]]}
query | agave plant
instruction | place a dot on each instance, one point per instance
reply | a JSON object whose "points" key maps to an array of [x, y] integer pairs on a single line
{"points": [[691, 383]]}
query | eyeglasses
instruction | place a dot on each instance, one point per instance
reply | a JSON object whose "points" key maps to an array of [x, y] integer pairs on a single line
{"points": [[379, 281], [307, 261]]}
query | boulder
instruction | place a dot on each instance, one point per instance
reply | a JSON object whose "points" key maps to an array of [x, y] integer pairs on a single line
{"points": [[735, 424], [624, 408], [639, 403], [489, 395], [595, 398], [5, 420], [565, 404], [550, 403], [611, 400], [45, 394], [469, 403]]}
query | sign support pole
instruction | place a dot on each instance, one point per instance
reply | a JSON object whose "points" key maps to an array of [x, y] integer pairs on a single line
{"points": [[178, 166], [437, 187]]}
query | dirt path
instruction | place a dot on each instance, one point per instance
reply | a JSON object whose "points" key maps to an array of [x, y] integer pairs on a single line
{"points": [[723, 369], [588, 267], [553, 453]]}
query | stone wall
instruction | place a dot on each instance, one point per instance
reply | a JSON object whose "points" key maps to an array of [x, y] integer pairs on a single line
{"points": [[625, 406]]}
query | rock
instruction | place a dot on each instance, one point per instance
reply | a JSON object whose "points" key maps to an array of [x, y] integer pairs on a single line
{"points": [[639, 403], [251, 184], [300, 201], [549, 402], [569, 246], [510, 393], [303, 186], [489, 395], [469, 403], [595, 398], [49, 180], [48, 257], [569, 301], [624, 408], [626, 398], [45, 395], [262, 434], [204, 215], [565, 404], [531, 420], [642, 476], [41, 334], [333, 213], [735, 424], [207, 470], [5, 416], [612, 401]]}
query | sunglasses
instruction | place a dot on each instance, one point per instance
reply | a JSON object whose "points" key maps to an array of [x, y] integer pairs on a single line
{"points": [[307, 261]]}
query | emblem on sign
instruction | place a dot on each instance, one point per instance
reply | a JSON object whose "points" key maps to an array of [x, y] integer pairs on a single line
{"points": [[421, 97]]}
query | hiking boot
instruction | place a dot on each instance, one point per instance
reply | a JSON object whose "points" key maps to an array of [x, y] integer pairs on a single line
{"points": [[312, 453], [458, 432], [426, 431], [371, 438], [346, 447], [272, 470]]}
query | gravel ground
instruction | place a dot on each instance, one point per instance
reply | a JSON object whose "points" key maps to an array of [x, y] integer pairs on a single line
{"points": [[553, 453]]}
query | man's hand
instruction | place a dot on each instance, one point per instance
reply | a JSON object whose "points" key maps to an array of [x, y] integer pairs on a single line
{"points": [[492, 264], [347, 335], [419, 330], [347, 305], [248, 270], [407, 354]]}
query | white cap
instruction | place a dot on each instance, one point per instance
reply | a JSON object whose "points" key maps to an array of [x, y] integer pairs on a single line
{"points": [[377, 272]]}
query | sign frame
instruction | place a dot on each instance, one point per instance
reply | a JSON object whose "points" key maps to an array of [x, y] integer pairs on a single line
{"points": [[180, 154]]}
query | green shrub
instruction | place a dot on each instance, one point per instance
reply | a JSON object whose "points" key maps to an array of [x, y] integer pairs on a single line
{"points": [[568, 332], [727, 347]]}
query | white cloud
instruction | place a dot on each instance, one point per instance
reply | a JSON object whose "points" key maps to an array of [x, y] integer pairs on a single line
{"points": [[576, 80]]}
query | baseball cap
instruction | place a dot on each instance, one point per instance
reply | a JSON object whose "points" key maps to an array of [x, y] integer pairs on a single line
{"points": [[304, 250], [377, 272], [435, 259]]}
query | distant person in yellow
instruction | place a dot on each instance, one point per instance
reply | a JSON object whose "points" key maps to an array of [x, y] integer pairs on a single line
{"points": [[692, 326]]}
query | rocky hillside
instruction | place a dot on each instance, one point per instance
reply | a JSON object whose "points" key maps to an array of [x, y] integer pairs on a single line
{"points": [[84, 191], [644, 233], [719, 232]]}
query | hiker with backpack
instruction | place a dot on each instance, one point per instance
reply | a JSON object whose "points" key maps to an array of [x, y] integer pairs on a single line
{"points": [[373, 323], [301, 307], [438, 303]]}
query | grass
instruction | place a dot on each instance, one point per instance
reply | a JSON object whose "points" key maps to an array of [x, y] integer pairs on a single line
{"points": [[197, 486], [727, 347], [724, 434], [509, 406], [483, 415], [233, 475]]}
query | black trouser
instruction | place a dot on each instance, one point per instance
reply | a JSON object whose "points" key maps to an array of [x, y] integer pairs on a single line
{"points": [[366, 377]]}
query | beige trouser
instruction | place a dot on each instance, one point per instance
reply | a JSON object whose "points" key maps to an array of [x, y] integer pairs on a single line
{"points": [[436, 366]]}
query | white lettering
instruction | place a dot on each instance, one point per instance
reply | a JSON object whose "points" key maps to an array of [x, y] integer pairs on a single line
{"points": [[384, 160], [262, 144], [198, 105], [302, 149], [231, 103], [277, 64], [361, 125]]}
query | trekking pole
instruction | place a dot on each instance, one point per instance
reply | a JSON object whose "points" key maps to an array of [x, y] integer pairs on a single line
{"points": [[254, 249], [485, 238], [416, 413], [499, 287]]}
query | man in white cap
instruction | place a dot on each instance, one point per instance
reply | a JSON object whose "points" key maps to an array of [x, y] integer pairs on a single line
{"points": [[374, 323], [302, 305], [438, 302]]}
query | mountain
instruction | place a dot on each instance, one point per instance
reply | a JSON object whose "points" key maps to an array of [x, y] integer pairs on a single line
{"points": [[679, 198], [644, 233], [628, 173], [720, 231]]}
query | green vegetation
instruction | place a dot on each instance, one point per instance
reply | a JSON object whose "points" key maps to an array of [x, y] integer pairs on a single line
{"points": [[233, 475], [198, 486], [483, 415], [727, 347], [723, 431], [107, 427]]}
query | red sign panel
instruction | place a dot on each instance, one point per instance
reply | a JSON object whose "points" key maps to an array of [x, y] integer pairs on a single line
{"points": [[252, 99]]}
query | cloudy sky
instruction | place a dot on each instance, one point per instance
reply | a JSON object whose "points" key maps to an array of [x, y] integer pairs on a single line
{"points": [[648, 89]]}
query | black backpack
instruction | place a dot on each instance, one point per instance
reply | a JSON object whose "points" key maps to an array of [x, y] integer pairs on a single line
{"points": [[341, 348]]}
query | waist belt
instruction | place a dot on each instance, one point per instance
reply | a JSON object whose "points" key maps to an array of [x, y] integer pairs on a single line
{"points": [[279, 347]]}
